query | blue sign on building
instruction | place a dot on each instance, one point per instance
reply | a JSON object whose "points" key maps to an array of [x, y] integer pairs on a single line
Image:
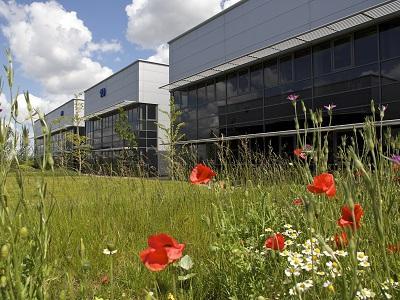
{"points": [[103, 92]]}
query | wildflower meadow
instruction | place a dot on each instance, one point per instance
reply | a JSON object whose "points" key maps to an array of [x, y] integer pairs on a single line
{"points": [[250, 226]]}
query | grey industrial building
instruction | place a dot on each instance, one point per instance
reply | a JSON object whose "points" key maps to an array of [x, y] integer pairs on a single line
{"points": [[135, 89], [231, 74], [67, 118]]}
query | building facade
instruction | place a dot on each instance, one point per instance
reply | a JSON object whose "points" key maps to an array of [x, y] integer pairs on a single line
{"points": [[65, 119], [231, 75], [134, 91]]}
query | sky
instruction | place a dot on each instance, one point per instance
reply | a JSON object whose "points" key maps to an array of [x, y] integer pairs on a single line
{"points": [[60, 48]]}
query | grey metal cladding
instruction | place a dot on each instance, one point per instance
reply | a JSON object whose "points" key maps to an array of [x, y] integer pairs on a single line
{"points": [[251, 25], [121, 86]]}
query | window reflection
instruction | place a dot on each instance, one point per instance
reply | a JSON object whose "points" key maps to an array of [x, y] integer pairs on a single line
{"points": [[390, 39], [342, 52], [270, 73], [365, 46], [285, 69], [302, 64], [322, 58]]}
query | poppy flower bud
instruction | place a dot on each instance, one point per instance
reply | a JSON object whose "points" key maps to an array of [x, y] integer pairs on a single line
{"points": [[5, 251], [111, 247], [85, 265], [23, 232], [3, 281]]}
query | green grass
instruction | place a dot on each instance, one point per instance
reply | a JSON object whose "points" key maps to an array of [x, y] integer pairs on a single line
{"points": [[223, 229]]}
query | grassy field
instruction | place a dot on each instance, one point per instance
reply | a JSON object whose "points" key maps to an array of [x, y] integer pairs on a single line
{"points": [[224, 228]]}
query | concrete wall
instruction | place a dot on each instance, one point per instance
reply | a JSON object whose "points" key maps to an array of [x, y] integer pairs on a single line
{"points": [[73, 112], [121, 86], [251, 25]]}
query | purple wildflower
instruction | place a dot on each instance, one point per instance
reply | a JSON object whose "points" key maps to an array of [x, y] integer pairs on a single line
{"points": [[383, 108], [293, 97], [396, 159], [330, 107]]}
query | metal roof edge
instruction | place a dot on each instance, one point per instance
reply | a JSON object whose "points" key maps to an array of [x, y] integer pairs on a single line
{"points": [[124, 68]]}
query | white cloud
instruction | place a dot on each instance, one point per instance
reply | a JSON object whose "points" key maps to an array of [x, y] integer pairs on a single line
{"points": [[162, 54], [228, 3], [152, 23], [54, 47], [37, 103]]}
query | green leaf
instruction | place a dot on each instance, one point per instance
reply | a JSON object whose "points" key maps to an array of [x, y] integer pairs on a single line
{"points": [[186, 263], [186, 277]]}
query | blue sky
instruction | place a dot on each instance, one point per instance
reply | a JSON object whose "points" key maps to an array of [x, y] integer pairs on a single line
{"points": [[63, 47]]}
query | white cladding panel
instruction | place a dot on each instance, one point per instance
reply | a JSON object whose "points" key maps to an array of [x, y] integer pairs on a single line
{"points": [[152, 76], [69, 114], [251, 25]]}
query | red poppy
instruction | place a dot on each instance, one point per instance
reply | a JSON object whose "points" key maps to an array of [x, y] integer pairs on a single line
{"points": [[201, 174], [341, 240], [347, 219], [323, 183], [299, 153], [105, 280], [162, 250], [393, 248], [275, 242], [298, 202]]}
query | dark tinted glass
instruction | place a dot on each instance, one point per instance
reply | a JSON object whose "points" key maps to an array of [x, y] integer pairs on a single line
{"points": [[390, 96], [285, 69], [365, 46], [244, 82], [231, 85], [352, 79], [302, 64], [390, 71], [151, 112], [220, 88], [210, 91], [270, 73], [201, 95], [177, 98], [390, 39], [184, 99], [192, 99], [256, 82], [342, 52], [322, 58]]}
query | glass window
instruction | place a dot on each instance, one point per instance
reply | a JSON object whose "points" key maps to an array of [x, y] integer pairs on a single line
{"points": [[302, 64], [270, 73], [152, 112], [177, 97], [342, 52], [201, 95], [244, 81], [210, 91], [184, 99], [365, 46], [192, 99], [285, 69], [220, 88], [390, 71], [232, 85], [390, 39], [322, 58], [256, 80], [143, 112]]}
